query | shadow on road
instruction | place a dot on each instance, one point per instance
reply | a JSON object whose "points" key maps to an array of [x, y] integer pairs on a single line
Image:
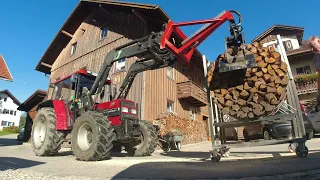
{"points": [[9, 142], [223, 169], [16, 163]]}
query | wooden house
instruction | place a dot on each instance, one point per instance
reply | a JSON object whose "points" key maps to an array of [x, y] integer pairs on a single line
{"points": [[97, 26]]}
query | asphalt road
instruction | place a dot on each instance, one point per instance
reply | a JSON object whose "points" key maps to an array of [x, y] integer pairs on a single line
{"points": [[268, 161]]}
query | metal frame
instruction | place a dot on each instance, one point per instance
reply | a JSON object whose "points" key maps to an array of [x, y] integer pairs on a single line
{"points": [[290, 111]]}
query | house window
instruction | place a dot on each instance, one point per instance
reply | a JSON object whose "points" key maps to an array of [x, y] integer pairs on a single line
{"points": [[170, 106], [9, 123], [193, 112], [73, 48], [287, 45], [304, 70], [170, 72], [4, 123], [11, 112], [121, 65], [104, 33], [5, 99], [15, 113]]}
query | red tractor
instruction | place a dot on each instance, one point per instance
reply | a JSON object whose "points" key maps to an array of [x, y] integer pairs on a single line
{"points": [[96, 127]]}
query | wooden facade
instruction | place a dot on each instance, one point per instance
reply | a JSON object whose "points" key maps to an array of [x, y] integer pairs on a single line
{"points": [[151, 89]]}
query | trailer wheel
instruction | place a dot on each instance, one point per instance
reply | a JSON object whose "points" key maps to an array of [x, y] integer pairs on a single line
{"points": [[92, 137], [266, 135], [301, 151], [148, 143], [45, 139]]}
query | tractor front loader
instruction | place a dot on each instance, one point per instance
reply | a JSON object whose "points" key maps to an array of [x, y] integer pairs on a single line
{"points": [[96, 127]]}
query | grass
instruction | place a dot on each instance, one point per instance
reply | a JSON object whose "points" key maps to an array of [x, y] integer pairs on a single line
{"points": [[2, 133]]}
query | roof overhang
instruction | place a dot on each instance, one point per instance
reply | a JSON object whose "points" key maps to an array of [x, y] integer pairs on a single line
{"points": [[11, 96], [81, 11], [5, 73], [298, 31], [36, 98]]}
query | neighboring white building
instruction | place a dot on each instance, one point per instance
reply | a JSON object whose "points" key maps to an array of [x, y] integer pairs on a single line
{"points": [[9, 115]]}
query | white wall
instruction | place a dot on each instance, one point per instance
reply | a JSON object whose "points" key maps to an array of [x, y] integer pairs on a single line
{"points": [[293, 39], [9, 105]]}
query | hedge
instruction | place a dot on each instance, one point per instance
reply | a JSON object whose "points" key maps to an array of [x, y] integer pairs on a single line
{"points": [[13, 129], [304, 78]]}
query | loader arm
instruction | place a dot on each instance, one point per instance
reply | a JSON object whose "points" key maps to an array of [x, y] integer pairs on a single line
{"points": [[162, 49]]}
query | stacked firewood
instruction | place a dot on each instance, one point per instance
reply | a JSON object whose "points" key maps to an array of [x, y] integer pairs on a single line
{"points": [[250, 92]]}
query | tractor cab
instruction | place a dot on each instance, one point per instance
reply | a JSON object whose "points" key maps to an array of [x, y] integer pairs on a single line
{"points": [[70, 100]]}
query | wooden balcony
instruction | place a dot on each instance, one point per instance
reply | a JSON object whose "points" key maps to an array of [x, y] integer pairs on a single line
{"points": [[191, 93], [306, 88]]}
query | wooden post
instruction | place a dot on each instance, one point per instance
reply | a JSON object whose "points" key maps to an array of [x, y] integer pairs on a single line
{"points": [[210, 108]]}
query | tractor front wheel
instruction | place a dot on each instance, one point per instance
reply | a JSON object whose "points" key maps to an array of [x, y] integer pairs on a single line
{"points": [[148, 142], [92, 137], [45, 139]]}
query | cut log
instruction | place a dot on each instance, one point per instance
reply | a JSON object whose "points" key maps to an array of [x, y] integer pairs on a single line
{"points": [[246, 86], [241, 102], [235, 94], [221, 100], [240, 87], [280, 73], [258, 112], [262, 64], [250, 115], [280, 90], [263, 87], [254, 70], [284, 67], [228, 96], [266, 77], [229, 103], [271, 72], [273, 78], [276, 56], [232, 113], [253, 90], [244, 94], [264, 70], [272, 84], [241, 114], [254, 50], [272, 49], [224, 92], [256, 44], [249, 46], [265, 54], [267, 106], [271, 89], [274, 66], [255, 98], [259, 74], [226, 110], [258, 58], [269, 97], [235, 107], [245, 109], [271, 60], [274, 102]]}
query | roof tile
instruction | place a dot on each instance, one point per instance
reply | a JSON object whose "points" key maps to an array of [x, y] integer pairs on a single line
{"points": [[4, 71]]}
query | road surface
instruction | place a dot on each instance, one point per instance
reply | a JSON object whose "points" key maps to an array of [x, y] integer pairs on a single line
{"points": [[269, 162]]}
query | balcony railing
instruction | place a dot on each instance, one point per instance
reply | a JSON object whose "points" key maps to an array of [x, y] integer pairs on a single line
{"points": [[191, 93], [307, 87]]}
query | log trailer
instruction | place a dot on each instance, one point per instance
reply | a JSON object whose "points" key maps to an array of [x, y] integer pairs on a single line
{"points": [[96, 127]]}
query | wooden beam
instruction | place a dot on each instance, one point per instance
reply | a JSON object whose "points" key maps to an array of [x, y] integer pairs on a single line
{"points": [[66, 33], [45, 64], [139, 15]]}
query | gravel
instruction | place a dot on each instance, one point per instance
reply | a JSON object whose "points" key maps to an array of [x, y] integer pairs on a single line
{"points": [[19, 174]]}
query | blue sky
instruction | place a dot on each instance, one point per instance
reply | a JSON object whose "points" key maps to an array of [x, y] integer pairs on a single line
{"points": [[28, 27]]}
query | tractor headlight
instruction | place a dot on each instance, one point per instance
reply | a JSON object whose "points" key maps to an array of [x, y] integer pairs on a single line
{"points": [[124, 109], [133, 111]]}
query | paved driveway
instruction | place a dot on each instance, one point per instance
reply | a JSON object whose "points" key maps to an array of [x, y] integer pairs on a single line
{"points": [[269, 161]]}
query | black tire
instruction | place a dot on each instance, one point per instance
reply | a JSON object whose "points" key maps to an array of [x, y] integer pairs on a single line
{"points": [[302, 152], [310, 135], [45, 140], [266, 135], [149, 141], [246, 136], [92, 137]]}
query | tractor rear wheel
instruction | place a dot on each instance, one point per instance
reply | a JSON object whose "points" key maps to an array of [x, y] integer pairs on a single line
{"points": [[148, 142], [45, 139], [92, 137]]}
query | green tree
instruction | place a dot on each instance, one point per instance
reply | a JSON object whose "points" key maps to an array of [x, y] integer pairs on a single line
{"points": [[23, 119]]}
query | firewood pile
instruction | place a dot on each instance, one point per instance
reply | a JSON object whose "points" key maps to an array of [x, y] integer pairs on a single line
{"points": [[251, 92], [194, 131]]}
